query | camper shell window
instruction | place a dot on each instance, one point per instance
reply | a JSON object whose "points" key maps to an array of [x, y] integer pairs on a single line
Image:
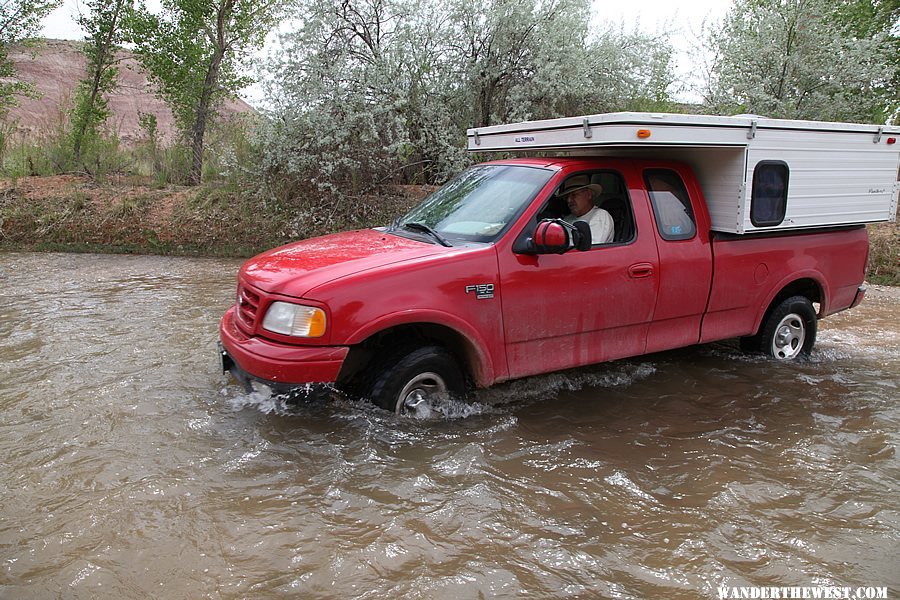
{"points": [[768, 201]]}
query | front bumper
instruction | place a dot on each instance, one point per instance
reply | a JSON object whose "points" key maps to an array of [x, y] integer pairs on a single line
{"points": [[282, 367]]}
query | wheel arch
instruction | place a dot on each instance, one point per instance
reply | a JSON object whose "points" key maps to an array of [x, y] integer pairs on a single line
{"points": [[463, 342], [810, 285]]}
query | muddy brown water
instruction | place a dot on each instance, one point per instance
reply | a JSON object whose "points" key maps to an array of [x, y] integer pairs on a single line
{"points": [[133, 469]]}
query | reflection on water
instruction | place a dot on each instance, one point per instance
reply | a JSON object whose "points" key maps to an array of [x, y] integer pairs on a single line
{"points": [[133, 469]]}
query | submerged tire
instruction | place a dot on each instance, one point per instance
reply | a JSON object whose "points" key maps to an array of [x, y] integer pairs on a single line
{"points": [[788, 332], [414, 376]]}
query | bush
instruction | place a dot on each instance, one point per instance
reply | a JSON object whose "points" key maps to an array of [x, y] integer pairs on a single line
{"points": [[230, 153], [884, 254]]}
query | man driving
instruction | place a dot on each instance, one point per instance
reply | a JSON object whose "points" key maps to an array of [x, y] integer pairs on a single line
{"points": [[580, 200]]}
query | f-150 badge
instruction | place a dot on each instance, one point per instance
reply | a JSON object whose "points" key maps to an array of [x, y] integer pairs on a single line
{"points": [[483, 291]]}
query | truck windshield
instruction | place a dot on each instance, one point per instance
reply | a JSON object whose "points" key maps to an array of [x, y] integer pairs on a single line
{"points": [[478, 204]]}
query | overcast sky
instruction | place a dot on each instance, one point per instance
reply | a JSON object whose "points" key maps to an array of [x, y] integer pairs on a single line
{"points": [[682, 20]]}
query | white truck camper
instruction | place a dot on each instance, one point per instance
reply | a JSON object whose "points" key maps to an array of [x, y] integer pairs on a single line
{"points": [[757, 174]]}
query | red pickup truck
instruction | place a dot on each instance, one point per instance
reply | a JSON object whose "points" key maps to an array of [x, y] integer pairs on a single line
{"points": [[484, 282]]}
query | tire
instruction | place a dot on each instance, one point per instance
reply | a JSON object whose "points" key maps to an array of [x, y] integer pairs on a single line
{"points": [[414, 376], [788, 332]]}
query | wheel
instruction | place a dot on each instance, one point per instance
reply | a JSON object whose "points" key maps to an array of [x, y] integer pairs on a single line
{"points": [[412, 380], [788, 332]]}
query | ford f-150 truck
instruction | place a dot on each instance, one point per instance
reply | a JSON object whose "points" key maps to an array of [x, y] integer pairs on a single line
{"points": [[485, 281]]}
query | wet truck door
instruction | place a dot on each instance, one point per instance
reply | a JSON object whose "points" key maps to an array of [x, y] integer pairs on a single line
{"points": [[562, 311], [684, 251]]}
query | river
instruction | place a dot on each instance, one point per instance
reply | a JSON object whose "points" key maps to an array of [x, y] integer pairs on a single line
{"points": [[133, 469]]}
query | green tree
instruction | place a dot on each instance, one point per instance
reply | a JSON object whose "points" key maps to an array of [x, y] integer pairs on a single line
{"points": [[515, 51], [193, 50], [628, 70], [799, 59], [346, 86], [19, 22], [103, 24], [878, 18], [367, 91], [529, 59]]}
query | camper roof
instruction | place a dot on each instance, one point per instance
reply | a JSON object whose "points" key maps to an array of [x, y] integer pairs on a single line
{"points": [[633, 129]]}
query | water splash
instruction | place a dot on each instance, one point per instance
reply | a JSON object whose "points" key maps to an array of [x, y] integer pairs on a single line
{"points": [[482, 402], [261, 399], [616, 375]]}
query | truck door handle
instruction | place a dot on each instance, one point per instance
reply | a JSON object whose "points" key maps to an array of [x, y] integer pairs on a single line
{"points": [[639, 270]]}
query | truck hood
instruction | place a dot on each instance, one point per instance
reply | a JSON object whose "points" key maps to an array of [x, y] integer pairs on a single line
{"points": [[296, 268]]}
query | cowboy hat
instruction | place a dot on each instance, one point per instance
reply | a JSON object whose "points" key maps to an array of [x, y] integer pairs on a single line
{"points": [[595, 188]]}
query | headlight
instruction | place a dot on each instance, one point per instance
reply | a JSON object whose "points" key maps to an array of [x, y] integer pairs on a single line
{"points": [[295, 319]]}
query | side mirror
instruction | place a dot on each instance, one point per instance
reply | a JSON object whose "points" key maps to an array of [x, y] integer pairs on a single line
{"points": [[584, 238], [555, 236]]}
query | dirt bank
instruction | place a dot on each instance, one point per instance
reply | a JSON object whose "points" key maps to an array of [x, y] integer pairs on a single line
{"points": [[127, 215]]}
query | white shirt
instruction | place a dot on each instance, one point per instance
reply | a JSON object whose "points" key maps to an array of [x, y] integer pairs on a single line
{"points": [[600, 222]]}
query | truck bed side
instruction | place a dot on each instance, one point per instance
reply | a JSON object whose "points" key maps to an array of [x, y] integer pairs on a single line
{"points": [[752, 272]]}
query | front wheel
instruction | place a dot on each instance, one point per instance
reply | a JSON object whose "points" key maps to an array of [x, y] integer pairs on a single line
{"points": [[789, 331], [412, 381]]}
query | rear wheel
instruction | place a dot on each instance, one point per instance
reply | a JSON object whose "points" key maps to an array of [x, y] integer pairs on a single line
{"points": [[411, 381], [788, 332]]}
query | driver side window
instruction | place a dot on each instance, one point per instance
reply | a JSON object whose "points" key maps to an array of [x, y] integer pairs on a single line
{"points": [[599, 198]]}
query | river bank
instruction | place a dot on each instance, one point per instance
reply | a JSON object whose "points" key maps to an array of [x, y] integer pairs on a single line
{"points": [[130, 215]]}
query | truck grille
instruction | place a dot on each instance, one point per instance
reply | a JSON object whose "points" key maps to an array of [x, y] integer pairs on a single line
{"points": [[246, 308]]}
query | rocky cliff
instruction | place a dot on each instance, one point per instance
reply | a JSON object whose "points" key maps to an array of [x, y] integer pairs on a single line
{"points": [[55, 68]]}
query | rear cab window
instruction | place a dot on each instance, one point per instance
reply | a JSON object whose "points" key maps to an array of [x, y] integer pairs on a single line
{"points": [[671, 204]]}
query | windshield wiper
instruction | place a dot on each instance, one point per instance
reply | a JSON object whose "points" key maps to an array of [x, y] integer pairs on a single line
{"points": [[426, 229]]}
